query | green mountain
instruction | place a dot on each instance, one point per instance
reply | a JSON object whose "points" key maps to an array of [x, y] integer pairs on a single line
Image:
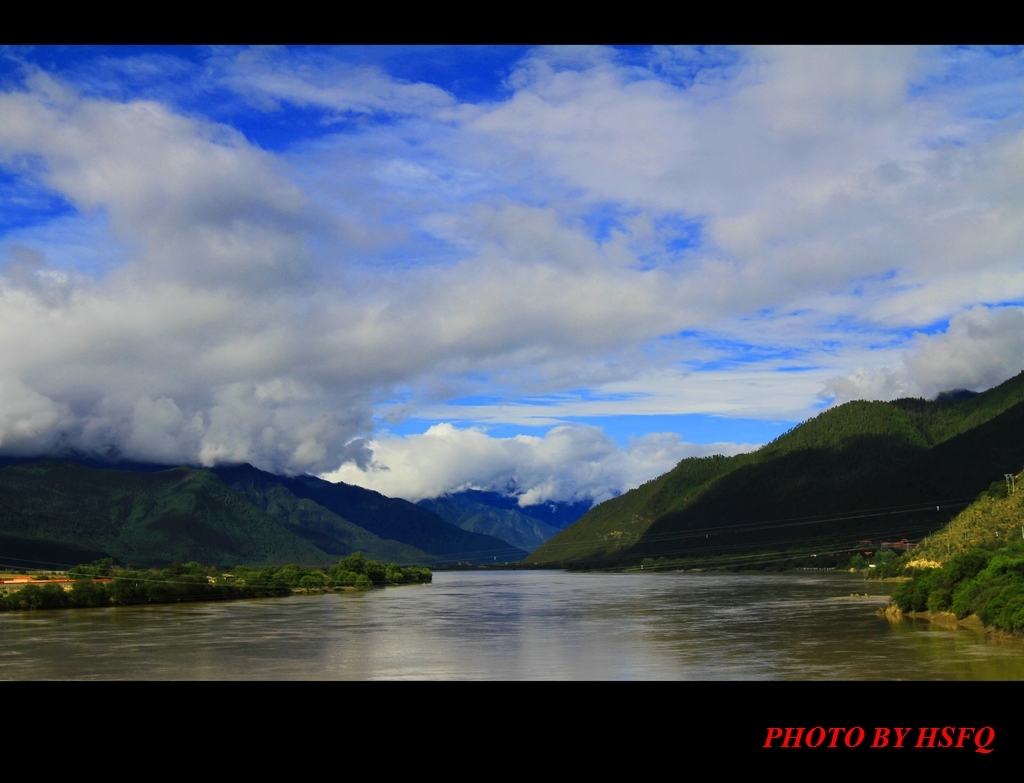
{"points": [[863, 470], [321, 527], [64, 513], [508, 524], [389, 519], [57, 513]]}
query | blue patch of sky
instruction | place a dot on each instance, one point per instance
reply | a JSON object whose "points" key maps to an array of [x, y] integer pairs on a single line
{"points": [[678, 234], [279, 130], [79, 242], [498, 430], [579, 395], [27, 202], [691, 427], [681, 233], [418, 426], [12, 67], [632, 55], [935, 327], [1003, 303], [542, 400], [475, 399], [682, 66], [118, 72], [988, 78], [175, 75], [889, 335], [473, 74], [604, 219], [731, 353]]}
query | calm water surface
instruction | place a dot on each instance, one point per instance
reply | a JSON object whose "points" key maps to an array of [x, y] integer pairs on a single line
{"points": [[519, 625]]}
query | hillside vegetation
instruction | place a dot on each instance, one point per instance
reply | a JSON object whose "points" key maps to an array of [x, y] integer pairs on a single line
{"points": [[147, 519], [388, 519], [509, 524], [863, 470], [973, 566], [55, 513], [995, 520], [104, 584]]}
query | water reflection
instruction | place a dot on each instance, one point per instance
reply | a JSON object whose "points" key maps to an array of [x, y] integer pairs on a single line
{"points": [[516, 625]]}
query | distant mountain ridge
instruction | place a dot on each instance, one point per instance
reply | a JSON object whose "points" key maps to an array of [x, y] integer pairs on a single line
{"points": [[144, 519], [557, 514], [55, 513], [508, 524], [389, 519], [862, 470]]}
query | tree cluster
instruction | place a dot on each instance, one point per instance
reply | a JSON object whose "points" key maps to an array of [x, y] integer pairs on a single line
{"points": [[988, 584], [185, 582]]}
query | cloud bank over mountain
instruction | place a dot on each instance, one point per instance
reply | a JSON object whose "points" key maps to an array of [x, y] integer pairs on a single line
{"points": [[569, 463], [981, 348], [337, 260]]}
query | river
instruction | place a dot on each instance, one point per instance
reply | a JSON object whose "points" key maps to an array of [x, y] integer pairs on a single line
{"points": [[516, 625]]}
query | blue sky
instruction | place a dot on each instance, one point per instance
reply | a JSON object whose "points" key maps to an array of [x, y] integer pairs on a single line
{"points": [[423, 269]]}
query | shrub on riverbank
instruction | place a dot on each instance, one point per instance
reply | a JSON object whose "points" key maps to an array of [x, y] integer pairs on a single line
{"points": [[186, 582], [988, 584]]}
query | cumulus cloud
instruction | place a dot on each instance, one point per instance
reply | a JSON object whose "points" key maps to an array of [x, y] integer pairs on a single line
{"points": [[981, 348], [811, 168], [568, 463], [198, 203], [28, 420], [717, 233], [174, 356]]}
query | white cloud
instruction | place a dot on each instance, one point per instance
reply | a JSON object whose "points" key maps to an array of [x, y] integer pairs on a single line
{"points": [[210, 300], [568, 463], [28, 420], [194, 349], [269, 76], [981, 348]]}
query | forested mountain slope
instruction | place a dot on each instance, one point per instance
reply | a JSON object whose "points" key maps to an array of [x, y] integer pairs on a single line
{"points": [[58, 513], [860, 470], [386, 518], [55, 508], [508, 524], [320, 526]]}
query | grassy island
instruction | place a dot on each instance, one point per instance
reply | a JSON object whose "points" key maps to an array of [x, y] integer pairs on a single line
{"points": [[105, 584]]}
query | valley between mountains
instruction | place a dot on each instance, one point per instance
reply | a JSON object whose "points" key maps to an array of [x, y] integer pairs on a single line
{"points": [[855, 475]]}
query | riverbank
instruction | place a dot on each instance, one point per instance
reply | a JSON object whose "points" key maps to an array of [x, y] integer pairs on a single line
{"points": [[103, 584], [949, 620]]}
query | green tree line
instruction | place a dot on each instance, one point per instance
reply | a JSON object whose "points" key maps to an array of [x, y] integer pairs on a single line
{"points": [[186, 582]]}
